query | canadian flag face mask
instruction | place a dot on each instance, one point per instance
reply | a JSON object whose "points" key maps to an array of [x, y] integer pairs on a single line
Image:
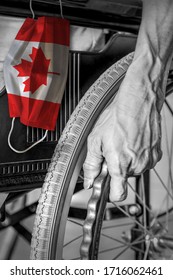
{"points": [[35, 71]]}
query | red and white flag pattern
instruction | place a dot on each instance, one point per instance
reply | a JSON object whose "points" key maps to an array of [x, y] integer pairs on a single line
{"points": [[35, 71]]}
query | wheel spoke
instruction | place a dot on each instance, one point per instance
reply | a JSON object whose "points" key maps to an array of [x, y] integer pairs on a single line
{"points": [[169, 107], [112, 249], [130, 246], [75, 222], [73, 240], [123, 251], [140, 199], [136, 241], [115, 226], [163, 184], [134, 220], [114, 239]]}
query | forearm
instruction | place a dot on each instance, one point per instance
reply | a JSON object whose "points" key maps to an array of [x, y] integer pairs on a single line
{"points": [[156, 31], [155, 39]]}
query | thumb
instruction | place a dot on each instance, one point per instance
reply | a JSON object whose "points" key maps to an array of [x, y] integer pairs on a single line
{"points": [[91, 167]]}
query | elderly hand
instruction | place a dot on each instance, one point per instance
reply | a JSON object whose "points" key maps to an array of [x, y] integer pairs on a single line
{"points": [[127, 134]]}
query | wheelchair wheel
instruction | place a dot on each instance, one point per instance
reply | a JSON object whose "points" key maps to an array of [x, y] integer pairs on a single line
{"points": [[138, 227]]}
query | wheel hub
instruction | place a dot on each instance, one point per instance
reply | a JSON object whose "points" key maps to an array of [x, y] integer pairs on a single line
{"points": [[159, 241]]}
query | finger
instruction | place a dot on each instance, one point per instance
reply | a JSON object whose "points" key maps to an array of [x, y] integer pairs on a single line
{"points": [[91, 167], [118, 183], [92, 164], [118, 188]]}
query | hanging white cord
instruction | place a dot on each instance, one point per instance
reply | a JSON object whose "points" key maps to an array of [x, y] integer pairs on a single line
{"points": [[20, 152], [31, 9], [61, 10], [33, 14]]}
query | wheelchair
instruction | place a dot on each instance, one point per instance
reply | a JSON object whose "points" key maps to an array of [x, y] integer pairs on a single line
{"points": [[72, 223]]}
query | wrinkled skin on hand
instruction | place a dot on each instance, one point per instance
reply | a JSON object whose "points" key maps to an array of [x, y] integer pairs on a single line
{"points": [[127, 134]]}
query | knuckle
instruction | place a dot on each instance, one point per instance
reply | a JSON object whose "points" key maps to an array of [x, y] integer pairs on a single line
{"points": [[94, 146], [140, 169], [88, 164], [85, 165]]}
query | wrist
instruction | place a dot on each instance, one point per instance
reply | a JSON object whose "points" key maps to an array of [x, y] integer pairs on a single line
{"points": [[148, 63], [142, 84], [149, 66]]}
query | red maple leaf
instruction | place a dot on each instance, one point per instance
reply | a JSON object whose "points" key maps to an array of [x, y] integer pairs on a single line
{"points": [[37, 70]]}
